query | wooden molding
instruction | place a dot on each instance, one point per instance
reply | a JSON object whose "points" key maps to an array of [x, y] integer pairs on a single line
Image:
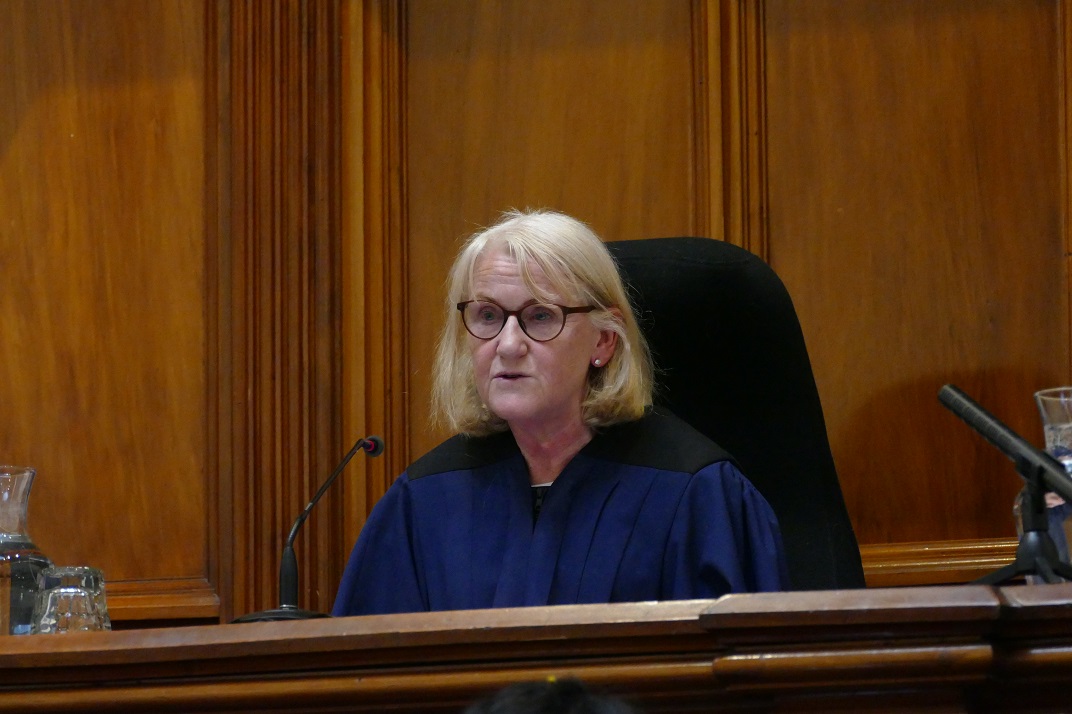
{"points": [[708, 160], [283, 304], [171, 601], [1065, 155], [729, 102], [218, 324], [965, 648], [740, 98], [374, 303], [940, 562], [386, 303]]}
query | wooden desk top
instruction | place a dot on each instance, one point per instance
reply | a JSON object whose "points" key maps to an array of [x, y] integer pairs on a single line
{"points": [[957, 648]]}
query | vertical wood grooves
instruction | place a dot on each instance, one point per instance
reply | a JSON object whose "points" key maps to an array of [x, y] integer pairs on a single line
{"points": [[244, 501], [286, 208], [398, 240], [285, 280], [387, 363], [708, 214], [756, 229], [1064, 104], [744, 125], [218, 323], [325, 552]]}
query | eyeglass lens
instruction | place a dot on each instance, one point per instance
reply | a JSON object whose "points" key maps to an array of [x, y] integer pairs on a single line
{"points": [[484, 320]]}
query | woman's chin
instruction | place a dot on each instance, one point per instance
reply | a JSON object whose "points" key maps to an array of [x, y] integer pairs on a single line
{"points": [[510, 411]]}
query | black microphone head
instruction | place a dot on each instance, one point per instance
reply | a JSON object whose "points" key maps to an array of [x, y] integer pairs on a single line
{"points": [[373, 445], [951, 395]]}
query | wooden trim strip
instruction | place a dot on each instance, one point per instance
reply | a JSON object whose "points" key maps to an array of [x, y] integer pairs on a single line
{"points": [[1064, 118], [385, 249], [179, 599], [708, 213], [939, 562], [841, 667], [744, 124], [369, 692], [284, 290]]}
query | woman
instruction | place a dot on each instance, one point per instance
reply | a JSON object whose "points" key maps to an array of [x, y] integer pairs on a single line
{"points": [[563, 485]]}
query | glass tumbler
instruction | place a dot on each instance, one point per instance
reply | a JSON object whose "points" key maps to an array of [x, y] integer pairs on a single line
{"points": [[1055, 409], [70, 598]]}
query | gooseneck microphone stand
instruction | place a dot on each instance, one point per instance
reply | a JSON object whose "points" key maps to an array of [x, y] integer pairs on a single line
{"points": [[288, 565], [1036, 553]]}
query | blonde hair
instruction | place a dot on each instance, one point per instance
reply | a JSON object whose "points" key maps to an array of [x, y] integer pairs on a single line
{"points": [[579, 268]]}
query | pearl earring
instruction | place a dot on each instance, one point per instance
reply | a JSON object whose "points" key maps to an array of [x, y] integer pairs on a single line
{"points": [[596, 362]]}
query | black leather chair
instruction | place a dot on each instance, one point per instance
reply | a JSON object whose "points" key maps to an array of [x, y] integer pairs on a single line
{"points": [[731, 360]]}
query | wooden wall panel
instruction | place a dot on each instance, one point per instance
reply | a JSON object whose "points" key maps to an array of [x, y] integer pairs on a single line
{"points": [[171, 243], [579, 107], [898, 163], [103, 247], [281, 300], [916, 215], [225, 229], [375, 303]]}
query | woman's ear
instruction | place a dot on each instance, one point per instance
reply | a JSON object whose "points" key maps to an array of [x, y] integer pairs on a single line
{"points": [[607, 343]]}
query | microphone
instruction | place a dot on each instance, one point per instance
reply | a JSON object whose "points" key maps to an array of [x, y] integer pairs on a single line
{"points": [[288, 565], [1023, 454]]}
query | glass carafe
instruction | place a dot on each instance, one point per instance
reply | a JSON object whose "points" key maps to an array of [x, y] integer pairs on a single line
{"points": [[20, 559]]}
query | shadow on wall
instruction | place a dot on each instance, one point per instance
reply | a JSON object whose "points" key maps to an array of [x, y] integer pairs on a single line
{"points": [[49, 48]]}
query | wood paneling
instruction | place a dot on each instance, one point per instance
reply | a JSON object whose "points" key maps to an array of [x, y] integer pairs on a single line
{"points": [[579, 107], [172, 303], [733, 80], [225, 229], [281, 292], [103, 243], [916, 216], [376, 303], [899, 164]]}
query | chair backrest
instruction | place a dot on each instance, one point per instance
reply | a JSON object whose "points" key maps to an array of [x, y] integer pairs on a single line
{"points": [[731, 360]]}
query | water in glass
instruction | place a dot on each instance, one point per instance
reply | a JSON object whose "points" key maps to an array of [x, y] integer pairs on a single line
{"points": [[20, 559]]}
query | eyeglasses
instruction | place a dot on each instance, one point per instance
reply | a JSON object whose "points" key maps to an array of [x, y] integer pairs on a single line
{"points": [[485, 319]]}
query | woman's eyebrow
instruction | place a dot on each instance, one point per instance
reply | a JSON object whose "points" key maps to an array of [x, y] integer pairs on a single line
{"points": [[530, 301]]}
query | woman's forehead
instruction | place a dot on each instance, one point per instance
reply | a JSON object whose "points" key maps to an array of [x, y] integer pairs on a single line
{"points": [[497, 267]]}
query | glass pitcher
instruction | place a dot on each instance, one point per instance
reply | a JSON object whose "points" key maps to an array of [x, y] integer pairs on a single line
{"points": [[20, 559]]}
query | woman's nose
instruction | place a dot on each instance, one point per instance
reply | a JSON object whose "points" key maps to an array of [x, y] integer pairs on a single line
{"points": [[511, 337]]}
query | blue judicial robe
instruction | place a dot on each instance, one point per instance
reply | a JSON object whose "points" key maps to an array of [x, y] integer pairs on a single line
{"points": [[648, 510]]}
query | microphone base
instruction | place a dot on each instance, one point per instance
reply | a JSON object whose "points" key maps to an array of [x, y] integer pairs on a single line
{"points": [[286, 612]]}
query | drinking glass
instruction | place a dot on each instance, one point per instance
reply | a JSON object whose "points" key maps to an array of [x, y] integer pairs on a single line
{"points": [[70, 598], [1055, 408]]}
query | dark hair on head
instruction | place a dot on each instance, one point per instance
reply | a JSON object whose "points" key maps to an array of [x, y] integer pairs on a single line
{"points": [[553, 696]]}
